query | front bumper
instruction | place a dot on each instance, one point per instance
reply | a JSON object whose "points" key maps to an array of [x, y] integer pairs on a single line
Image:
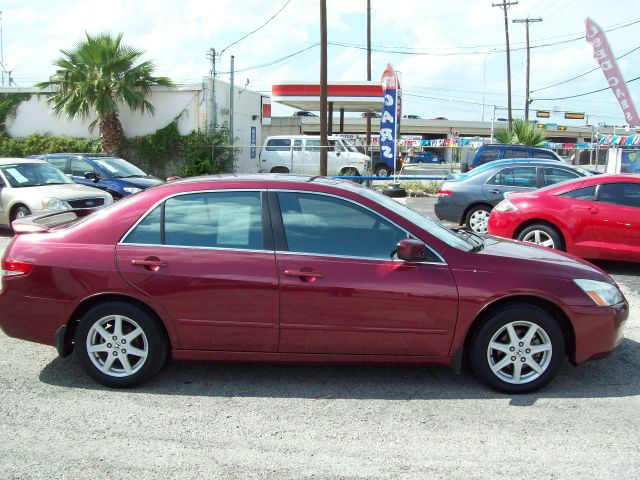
{"points": [[598, 330]]}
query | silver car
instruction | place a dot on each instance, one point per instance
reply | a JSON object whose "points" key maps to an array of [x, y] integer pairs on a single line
{"points": [[28, 186]]}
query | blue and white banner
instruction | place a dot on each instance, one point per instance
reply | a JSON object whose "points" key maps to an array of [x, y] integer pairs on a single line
{"points": [[389, 116]]}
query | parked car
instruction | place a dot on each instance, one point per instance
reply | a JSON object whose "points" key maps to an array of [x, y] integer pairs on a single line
{"points": [[29, 186], [372, 114], [469, 201], [106, 172], [300, 154], [489, 153], [484, 167], [304, 113], [412, 117], [425, 157], [298, 269], [594, 217]]}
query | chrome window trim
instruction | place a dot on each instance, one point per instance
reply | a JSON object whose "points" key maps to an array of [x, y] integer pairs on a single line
{"points": [[164, 199], [415, 237], [348, 257], [224, 249]]}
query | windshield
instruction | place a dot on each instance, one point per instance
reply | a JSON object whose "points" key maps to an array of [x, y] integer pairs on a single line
{"points": [[33, 175], [434, 228], [349, 145], [118, 167]]}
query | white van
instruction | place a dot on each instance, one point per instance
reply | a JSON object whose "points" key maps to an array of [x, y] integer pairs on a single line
{"points": [[301, 154]]}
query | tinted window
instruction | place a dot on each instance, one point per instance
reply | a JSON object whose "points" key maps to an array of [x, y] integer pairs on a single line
{"points": [[515, 177], [488, 155], [326, 225], [626, 194], [584, 193], [80, 167], [546, 155], [297, 145], [212, 219], [278, 145], [515, 153], [61, 163], [557, 175]]}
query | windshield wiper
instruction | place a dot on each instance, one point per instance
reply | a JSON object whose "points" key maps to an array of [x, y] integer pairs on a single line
{"points": [[128, 176], [472, 237]]}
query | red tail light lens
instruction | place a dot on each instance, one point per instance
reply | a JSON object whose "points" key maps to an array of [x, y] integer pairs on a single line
{"points": [[12, 268], [444, 192]]}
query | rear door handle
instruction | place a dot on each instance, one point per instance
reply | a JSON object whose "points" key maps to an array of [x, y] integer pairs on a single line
{"points": [[152, 263], [495, 192], [305, 276]]}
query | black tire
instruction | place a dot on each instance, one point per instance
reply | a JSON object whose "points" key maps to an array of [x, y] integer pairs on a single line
{"points": [[477, 218], [19, 212], [279, 170], [547, 338], [542, 234], [383, 171], [106, 365]]}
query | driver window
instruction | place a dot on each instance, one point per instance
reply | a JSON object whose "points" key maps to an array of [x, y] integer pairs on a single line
{"points": [[80, 167]]}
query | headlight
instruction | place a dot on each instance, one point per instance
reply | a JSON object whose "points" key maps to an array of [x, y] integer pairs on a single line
{"points": [[602, 293], [132, 190], [505, 206], [52, 203]]}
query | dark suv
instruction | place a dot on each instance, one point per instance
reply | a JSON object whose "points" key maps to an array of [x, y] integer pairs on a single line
{"points": [[489, 153], [106, 172]]}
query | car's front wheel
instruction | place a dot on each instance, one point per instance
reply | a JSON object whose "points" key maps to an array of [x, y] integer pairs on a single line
{"points": [[20, 212], [518, 350], [119, 344]]}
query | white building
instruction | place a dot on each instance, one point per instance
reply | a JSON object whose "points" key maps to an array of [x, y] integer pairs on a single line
{"points": [[190, 102]]}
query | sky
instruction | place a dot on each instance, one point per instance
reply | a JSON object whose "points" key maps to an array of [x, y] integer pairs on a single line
{"points": [[450, 54]]}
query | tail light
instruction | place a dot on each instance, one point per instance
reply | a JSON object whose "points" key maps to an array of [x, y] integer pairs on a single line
{"points": [[12, 268], [444, 192]]}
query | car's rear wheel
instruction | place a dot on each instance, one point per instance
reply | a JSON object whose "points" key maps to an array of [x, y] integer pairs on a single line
{"points": [[477, 218], [542, 234], [518, 350], [383, 171], [119, 344]]}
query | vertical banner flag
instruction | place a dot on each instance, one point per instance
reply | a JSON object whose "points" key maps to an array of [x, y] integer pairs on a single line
{"points": [[389, 116], [603, 55]]}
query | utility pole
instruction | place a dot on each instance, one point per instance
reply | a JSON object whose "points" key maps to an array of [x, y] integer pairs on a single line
{"points": [[323, 88], [505, 6], [368, 137], [231, 92], [2, 51], [527, 21], [212, 98]]}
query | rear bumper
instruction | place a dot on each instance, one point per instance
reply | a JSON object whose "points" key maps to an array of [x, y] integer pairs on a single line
{"points": [[503, 224], [598, 330], [447, 211]]}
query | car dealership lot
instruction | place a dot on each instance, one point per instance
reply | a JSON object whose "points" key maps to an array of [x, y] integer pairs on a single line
{"points": [[263, 421]]}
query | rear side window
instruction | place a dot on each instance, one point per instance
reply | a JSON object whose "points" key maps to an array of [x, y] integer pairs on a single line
{"points": [[584, 193], [556, 175], [313, 145], [487, 155], [210, 219], [545, 155], [624, 194], [515, 177], [278, 145], [515, 153]]}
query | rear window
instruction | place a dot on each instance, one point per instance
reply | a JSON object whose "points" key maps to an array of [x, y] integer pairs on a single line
{"points": [[278, 145], [584, 193], [515, 153]]}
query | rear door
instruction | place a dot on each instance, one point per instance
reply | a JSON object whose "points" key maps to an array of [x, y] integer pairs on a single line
{"points": [[553, 175], [207, 259], [510, 179], [311, 162]]}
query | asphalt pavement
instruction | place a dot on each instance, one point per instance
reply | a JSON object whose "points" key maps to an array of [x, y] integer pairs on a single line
{"points": [[234, 421]]}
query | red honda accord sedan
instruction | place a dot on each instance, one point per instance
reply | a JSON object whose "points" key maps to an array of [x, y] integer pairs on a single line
{"points": [[279, 268], [592, 217]]}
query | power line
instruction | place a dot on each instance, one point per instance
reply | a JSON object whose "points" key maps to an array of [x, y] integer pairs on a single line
{"points": [[582, 74], [274, 62], [259, 28], [580, 94]]}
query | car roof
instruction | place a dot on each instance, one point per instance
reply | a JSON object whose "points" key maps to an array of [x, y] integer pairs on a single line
{"points": [[85, 155], [10, 161], [260, 178]]}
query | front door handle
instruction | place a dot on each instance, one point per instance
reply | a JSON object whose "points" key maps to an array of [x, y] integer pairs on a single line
{"points": [[304, 275], [152, 264], [495, 192]]}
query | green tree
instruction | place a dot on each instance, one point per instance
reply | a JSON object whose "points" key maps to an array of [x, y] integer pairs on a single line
{"points": [[96, 76], [522, 132]]}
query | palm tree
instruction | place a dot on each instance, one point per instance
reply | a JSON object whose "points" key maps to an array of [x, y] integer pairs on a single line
{"points": [[96, 77], [521, 132]]}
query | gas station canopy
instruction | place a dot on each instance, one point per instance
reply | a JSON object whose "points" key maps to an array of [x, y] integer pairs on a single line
{"points": [[346, 96]]}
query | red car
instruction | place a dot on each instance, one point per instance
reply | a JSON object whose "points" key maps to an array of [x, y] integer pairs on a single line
{"points": [[279, 268], [592, 217]]}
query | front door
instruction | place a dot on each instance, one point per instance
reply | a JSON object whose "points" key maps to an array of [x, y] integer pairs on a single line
{"points": [[205, 259], [342, 292]]}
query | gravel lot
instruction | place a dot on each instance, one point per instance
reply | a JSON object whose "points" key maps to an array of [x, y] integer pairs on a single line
{"points": [[320, 422]]}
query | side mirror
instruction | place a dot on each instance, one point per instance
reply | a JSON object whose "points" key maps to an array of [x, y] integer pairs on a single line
{"points": [[411, 250], [92, 176]]}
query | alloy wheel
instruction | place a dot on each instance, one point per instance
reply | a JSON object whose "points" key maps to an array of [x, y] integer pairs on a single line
{"points": [[539, 237]]}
